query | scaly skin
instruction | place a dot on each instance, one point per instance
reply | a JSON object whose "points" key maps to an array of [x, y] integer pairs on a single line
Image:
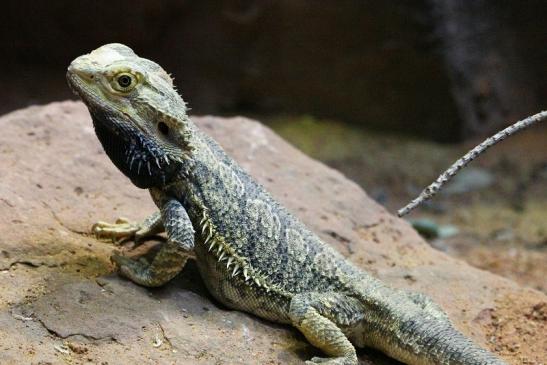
{"points": [[252, 254]]}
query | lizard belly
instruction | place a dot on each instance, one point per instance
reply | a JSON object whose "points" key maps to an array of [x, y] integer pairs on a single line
{"points": [[237, 293]]}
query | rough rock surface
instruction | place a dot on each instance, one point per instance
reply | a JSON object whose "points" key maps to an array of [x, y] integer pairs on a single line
{"points": [[60, 302]]}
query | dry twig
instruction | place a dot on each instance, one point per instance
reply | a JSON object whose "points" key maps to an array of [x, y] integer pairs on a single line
{"points": [[432, 189]]}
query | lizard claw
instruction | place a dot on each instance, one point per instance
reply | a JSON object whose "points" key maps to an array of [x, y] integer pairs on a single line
{"points": [[331, 361], [118, 232], [128, 265], [114, 258], [125, 265], [122, 220], [118, 259], [137, 271]]}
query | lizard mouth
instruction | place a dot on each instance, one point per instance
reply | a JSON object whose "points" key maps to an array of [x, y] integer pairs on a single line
{"points": [[75, 84], [85, 93], [134, 153]]}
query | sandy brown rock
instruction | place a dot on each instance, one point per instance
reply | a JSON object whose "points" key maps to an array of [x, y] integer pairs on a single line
{"points": [[61, 303]]}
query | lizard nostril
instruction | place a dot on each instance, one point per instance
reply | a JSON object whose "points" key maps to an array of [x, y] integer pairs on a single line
{"points": [[163, 128]]}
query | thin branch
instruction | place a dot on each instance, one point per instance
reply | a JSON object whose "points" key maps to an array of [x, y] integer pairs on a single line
{"points": [[432, 189]]}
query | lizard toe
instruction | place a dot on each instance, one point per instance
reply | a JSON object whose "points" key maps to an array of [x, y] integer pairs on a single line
{"points": [[121, 261], [118, 232], [135, 270], [332, 361]]}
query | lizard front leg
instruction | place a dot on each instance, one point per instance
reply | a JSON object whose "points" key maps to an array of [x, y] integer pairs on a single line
{"points": [[172, 255], [124, 229]]}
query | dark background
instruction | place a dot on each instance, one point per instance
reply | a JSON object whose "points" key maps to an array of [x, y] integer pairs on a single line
{"points": [[443, 69]]}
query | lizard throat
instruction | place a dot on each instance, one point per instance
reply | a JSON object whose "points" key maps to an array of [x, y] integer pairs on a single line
{"points": [[136, 155]]}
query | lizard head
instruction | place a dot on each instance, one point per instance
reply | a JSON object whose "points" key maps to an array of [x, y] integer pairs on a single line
{"points": [[138, 116]]}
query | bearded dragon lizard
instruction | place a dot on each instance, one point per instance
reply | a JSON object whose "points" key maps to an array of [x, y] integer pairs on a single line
{"points": [[252, 254]]}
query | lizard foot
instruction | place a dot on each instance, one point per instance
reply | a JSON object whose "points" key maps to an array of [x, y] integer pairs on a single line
{"points": [[123, 229], [135, 270], [167, 263], [118, 232], [332, 361]]}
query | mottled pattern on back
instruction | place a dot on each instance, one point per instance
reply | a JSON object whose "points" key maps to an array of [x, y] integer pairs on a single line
{"points": [[262, 230]]}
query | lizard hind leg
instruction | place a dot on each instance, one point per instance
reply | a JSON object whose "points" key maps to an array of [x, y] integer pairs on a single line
{"points": [[319, 316], [427, 305]]}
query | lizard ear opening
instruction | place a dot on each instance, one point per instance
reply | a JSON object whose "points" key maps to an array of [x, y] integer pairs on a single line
{"points": [[163, 128]]}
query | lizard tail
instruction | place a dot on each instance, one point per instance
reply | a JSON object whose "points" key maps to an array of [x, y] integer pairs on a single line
{"points": [[430, 341]]}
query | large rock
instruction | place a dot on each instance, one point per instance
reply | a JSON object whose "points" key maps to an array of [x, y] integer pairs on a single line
{"points": [[61, 302]]}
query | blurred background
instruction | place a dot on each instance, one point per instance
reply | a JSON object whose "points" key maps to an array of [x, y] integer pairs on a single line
{"points": [[388, 92]]}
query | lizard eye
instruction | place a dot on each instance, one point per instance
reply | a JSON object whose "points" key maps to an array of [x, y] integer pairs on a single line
{"points": [[124, 82]]}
